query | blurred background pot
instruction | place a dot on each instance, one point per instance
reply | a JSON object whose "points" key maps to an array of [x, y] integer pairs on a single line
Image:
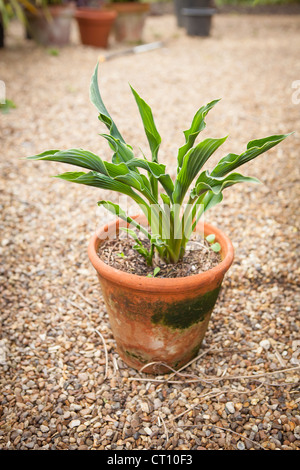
{"points": [[95, 25], [197, 21], [130, 21], [180, 4], [51, 25]]}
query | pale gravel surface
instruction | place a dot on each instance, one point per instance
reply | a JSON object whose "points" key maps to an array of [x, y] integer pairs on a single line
{"points": [[54, 390]]}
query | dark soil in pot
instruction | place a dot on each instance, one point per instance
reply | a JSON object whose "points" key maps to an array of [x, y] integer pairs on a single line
{"points": [[119, 253]]}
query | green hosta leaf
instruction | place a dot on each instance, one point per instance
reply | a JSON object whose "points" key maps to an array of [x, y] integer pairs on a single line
{"points": [[105, 182], [157, 171], [192, 164], [104, 115], [198, 124], [216, 247], [148, 255], [254, 149], [211, 238], [119, 212], [210, 200], [157, 241], [156, 271], [116, 169], [206, 183], [166, 200], [78, 157], [139, 247], [152, 134], [138, 182], [123, 151]]}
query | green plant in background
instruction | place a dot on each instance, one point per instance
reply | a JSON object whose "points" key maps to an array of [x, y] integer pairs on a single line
{"points": [[15, 8], [18, 8], [171, 223], [253, 3], [7, 106]]}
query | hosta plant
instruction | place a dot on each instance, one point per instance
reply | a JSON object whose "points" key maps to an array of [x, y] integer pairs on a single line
{"points": [[172, 208]]}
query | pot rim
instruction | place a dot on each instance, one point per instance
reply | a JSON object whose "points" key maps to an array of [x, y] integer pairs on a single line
{"points": [[153, 284], [201, 11], [127, 7], [94, 14]]}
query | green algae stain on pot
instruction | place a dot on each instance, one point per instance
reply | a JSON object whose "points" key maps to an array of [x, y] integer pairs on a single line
{"points": [[183, 314]]}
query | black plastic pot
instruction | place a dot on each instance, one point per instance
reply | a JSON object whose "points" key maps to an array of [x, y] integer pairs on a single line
{"points": [[180, 4], [197, 21]]}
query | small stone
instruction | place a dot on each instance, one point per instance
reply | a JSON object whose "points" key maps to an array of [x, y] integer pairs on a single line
{"points": [[229, 407], [81, 428], [83, 376], [30, 445], [265, 343], [74, 423], [297, 432], [91, 396], [157, 403], [75, 407], [240, 445], [145, 407], [44, 428]]}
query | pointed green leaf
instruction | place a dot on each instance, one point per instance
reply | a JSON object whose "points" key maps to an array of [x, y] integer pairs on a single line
{"points": [[156, 170], [119, 212], [166, 200], [198, 124], [206, 183], [152, 134], [104, 115], [156, 271], [102, 181], [116, 169], [192, 164], [122, 150], [78, 157], [137, 181], [254, 149]]}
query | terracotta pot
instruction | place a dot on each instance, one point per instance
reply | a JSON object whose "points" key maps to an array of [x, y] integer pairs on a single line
{"points": [[130, 21], [53, 30], [158, 320], [95, 26]]}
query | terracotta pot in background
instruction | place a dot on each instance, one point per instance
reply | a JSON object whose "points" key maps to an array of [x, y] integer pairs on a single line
{"points": [[52, 30], [95, 26], [130, 21], [159, 319]]}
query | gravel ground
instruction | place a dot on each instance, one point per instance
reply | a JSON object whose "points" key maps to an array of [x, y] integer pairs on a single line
{"points": [[63, 385]]}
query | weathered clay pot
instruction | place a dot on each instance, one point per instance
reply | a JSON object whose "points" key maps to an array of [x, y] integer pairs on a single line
{"points": [[130, 21], [95, 26], [159, 320], [54, 29]]}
